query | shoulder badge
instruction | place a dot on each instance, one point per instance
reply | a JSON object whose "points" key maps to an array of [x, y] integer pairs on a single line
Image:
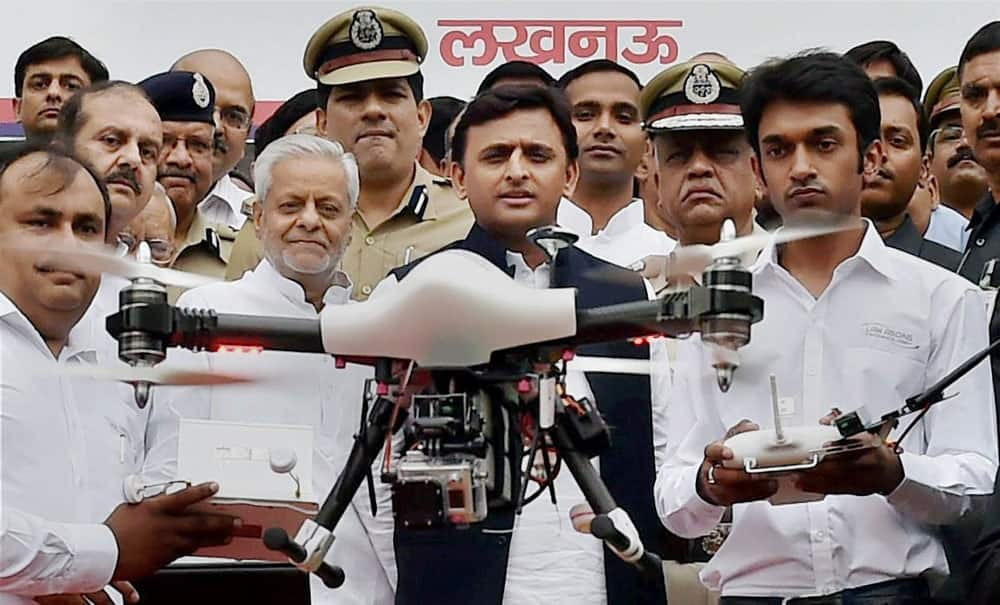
{"points": [[702, 86], [199, 91], [366, 30]]}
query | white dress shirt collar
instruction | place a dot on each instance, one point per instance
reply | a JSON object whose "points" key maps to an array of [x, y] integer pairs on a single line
{"points": [[224, 203], [266, 276], [578, 220], [872, 253], [80, 343]]}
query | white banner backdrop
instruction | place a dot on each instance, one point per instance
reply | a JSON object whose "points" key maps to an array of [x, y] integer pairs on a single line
{"points": [[468, 38]]}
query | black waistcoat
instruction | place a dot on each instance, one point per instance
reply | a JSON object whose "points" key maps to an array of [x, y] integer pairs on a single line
{"points": [[459, 566]]}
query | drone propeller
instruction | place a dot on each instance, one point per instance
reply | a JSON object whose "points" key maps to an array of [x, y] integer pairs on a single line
{"points": [[690, 261], [153, 375], [96, 260]]}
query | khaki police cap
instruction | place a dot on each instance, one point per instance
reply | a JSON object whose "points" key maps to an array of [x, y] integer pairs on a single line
{"points": [[694, 95], [943, 94], [365, 43]]}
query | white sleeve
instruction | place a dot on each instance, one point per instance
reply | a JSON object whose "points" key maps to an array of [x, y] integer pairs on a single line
{"points": [[659, 397], [958, 454], [691, 424], [38, 557]]}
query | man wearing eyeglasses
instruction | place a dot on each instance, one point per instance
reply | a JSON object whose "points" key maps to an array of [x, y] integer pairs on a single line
{"points": [[234, 105], [960, 179], [155, 225]]}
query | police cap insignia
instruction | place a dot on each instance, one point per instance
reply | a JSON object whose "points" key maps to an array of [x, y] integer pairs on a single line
{"points": [[702, 85], [366, 29], [199, 91]]}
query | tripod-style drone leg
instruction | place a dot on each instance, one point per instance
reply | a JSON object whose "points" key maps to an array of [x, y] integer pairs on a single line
{"points": [[611, 523]]}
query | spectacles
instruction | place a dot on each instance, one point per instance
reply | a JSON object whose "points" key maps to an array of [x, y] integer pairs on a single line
{"points": [[235, 117], [948, 134], [161, 251]]}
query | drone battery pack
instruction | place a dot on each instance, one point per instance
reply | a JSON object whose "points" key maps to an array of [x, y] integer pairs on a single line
{"points": [[586, 428]]}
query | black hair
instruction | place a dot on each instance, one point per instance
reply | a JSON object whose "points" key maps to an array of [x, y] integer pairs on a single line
{"points": [[415, 82], [812, 77], [505, 100], [71, 116], [291, 111], [596, 66], [65, 163], [869, 52], [986, 40], [444, 110], [899, 87], [521, 70], [57, 47]]}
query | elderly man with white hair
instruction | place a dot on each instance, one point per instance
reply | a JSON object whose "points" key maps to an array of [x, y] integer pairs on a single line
{"points": [[307, 190]]}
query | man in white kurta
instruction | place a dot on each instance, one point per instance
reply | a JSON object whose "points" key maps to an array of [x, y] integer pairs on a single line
{"points": [[306, 200]]}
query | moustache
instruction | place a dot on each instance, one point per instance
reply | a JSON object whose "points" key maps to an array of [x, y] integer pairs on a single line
{"points": [[989, 128], [219, 145], [176, 172], [128, 175], [963, 153]]}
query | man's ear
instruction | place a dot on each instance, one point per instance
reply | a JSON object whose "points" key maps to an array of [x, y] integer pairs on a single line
{"points": [[458, 180], [258, 213], [645, 167], [572, 176], [17, 109], [321, 122], [424, 111]]}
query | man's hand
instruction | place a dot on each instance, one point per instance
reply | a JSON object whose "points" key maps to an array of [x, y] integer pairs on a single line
{"points": [[96, 598], [157, 531], [871, 470], [731, 485]]}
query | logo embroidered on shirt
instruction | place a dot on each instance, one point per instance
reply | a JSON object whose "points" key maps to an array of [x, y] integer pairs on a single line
{"points": [[896, 337]]}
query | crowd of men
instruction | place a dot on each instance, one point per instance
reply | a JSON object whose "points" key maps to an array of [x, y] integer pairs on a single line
{"points": [[357, 180]]}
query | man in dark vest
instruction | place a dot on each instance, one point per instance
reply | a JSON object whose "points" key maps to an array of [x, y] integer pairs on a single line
{"points": [[515, 156]]}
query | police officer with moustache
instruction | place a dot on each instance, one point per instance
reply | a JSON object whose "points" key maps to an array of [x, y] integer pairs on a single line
{"points": [[366, 63], [515, 157], [961, 181], [185, 101]]}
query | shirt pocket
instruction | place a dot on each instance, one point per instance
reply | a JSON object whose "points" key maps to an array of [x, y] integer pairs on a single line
{"points": [[881, 380]]}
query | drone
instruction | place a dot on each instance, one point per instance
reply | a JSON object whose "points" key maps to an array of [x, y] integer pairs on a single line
{"points": [[494, 356]]}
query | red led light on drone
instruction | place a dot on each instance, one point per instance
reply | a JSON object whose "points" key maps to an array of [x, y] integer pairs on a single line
{"points": [[239, 349]]}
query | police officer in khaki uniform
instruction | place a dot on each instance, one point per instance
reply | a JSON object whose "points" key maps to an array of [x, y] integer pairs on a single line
{"points": [[960, 179], [366, 62], [186, 101]]}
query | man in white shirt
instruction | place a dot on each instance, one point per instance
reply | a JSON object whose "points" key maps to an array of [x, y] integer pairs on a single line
{"points": [[234, 106], [308, 192], [515, 150], [848, 322], [68, 442], [115, 128], [602, 209]]}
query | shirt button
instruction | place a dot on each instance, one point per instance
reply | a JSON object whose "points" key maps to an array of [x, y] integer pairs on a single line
{"points": [[369, 240], [366, 290], [818, 536]]}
